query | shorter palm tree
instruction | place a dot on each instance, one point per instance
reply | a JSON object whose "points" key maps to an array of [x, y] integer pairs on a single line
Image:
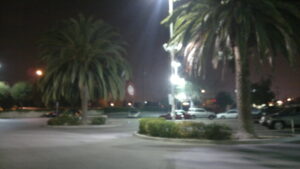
{"points": [[84, 59]]}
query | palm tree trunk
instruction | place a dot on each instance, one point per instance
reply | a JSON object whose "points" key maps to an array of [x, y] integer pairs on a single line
{"points": [[246, 129], [84, 96]]}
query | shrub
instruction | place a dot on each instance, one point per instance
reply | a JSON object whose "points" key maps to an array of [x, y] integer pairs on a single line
{"points": [[162, 128], [217, 132], [191, 130], [98, 120], [65, 119], [143, 127]]}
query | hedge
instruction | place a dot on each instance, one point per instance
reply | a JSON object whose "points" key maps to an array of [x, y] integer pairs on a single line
{"points": [[159, 127]]}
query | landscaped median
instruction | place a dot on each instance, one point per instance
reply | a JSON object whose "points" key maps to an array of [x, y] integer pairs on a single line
{"points": [[158, 127], [74, 119]]}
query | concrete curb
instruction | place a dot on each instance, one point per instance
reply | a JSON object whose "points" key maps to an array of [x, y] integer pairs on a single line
{"points": [[213, 142]]}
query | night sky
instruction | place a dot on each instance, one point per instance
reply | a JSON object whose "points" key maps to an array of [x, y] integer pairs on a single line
{"points": [[23, 22]]}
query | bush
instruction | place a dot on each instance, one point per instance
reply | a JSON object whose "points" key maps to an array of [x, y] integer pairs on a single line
{"points": [[65, 119], [143, 127], [98, 120], [217, 132], [161, 128], [191, 130]]}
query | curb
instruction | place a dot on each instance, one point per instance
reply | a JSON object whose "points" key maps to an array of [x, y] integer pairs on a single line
{"points": [[213, 142]]}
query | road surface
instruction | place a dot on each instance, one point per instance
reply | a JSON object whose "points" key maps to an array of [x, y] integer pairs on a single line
{"points": [[28, 144]]}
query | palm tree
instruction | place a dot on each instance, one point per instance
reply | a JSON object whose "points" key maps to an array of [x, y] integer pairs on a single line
{"points": [[84, 60], [219, 30]]}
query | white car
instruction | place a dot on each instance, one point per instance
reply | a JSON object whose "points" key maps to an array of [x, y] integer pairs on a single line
{"points": [[230, 114], [201, 113], [233, 114]]}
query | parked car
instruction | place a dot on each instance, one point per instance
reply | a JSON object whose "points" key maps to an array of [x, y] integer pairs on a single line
{"points": [[201, 113], [179, 115], [233, 114], [230, 114], [283, 118], [266, 112], [134, 113]]}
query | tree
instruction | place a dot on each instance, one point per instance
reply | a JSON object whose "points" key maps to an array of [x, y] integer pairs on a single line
{"points": [[84, 59], [219, 30], [223, 99], [261, 92], [22, 93], [6, 101]]}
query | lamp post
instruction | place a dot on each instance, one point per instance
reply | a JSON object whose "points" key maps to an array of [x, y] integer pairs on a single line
{"points": [[174, 67], [172, 50]]}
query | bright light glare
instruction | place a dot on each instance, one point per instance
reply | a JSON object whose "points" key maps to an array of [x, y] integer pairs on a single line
{"points": [[181, 96], [185, 103], [39, 72], [129, 104], [176, 80], [289, 99], [112, 104], [175, 64], [203, 91], [279, 102]]}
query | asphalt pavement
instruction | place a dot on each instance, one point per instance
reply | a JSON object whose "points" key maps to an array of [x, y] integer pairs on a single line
{"points": [[29, 144]]}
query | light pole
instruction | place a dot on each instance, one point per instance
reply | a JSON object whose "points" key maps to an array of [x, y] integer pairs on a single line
{"points": [[174, 68]]}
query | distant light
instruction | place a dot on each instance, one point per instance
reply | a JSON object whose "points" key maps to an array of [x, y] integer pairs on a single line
{"points": [[146, 102], [39, 72], [279, 102], [289, 99], [129, 104], [235, 91], [203, 91], [112, 104], [254, 105], [271, 104], [185, 103], [130, 90]]}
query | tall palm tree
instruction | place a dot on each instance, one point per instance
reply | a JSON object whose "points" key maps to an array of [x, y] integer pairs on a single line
{"points": [[236, 29], [84, 60]]}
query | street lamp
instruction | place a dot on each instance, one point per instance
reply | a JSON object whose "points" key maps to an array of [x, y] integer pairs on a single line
{"points": [[175, 79]]}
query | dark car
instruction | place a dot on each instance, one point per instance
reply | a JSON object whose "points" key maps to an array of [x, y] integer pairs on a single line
{"points": [[50, 114], [284, 118], [265, 112]]}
